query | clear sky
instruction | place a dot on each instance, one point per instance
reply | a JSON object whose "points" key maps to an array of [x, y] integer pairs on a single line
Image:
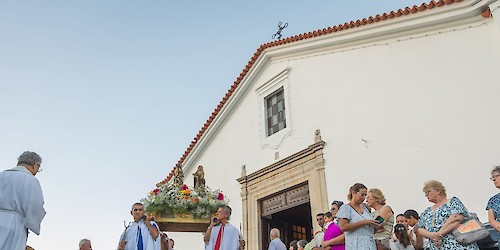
{"points": [[110, 93]]}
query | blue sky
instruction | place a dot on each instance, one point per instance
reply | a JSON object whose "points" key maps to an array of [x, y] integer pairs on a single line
{"points": [[110, 93]]}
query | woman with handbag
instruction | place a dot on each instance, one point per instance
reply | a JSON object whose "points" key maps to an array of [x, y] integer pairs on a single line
{"points": [[438, 221], [493, 206]]}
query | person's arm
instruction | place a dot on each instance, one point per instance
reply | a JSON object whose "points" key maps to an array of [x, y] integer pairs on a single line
{"points": [[153, 230], [386, 213], [335, 241], [121, 245], [165, 242], [32, 206], [347, 227], [492, 220], [242, 244], [435, 237], [451, 223], [419, 243], [206, 237]]}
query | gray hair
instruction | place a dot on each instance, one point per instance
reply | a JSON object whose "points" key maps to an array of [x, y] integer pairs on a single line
{"points": [[29, 158], [227, 210], [495, 169], [275, 232], [82, 242], [302, 243]]}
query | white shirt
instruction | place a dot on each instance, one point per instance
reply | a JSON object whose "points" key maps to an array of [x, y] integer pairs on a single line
{"points": [[21, 207], [131, 235], [230, 238]]}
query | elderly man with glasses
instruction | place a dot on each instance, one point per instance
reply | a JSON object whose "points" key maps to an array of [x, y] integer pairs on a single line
{"points": [[21, 202]]}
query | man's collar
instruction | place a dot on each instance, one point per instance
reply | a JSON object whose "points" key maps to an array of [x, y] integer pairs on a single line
{"points": [[20, 168]]}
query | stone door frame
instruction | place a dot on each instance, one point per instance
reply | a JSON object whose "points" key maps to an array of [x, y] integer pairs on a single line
{"points": [[305, 166]]}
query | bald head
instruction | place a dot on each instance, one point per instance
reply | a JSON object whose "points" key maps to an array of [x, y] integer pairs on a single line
{"points": [[275, 233]]}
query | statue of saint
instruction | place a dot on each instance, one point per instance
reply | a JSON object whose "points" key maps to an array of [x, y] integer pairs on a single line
{"points": [[178, 176], [199, 179]]}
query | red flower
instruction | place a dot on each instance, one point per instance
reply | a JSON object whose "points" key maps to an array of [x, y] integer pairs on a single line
{"points": [[184, 186], [220, 197], [156, 191], [195, 200]]}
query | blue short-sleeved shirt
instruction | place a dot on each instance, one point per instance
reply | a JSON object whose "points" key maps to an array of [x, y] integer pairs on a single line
{"points": [[494, 203]]}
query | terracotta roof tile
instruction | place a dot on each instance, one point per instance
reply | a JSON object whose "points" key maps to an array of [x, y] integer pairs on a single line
{"points": [[352, 24]]}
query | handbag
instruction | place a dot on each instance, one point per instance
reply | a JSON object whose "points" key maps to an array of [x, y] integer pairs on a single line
{"points": [[470, 230]]}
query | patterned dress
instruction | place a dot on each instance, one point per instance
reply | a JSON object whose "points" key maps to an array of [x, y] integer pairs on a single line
{"points": [[432, 221], [361, 238], [494, 203]]}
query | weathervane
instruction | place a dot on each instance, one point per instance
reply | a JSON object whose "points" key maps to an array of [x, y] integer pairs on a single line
{"points": [[280, 28]]}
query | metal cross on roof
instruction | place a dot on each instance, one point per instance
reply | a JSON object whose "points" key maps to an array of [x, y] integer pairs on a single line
{"points": [[277, 35]]}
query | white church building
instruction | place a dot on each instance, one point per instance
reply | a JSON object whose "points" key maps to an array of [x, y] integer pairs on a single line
{"points": [[389, 101]]}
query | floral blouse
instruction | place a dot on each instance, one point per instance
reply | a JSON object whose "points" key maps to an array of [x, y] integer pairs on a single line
{"points": [[432, 221], [494, 203]]}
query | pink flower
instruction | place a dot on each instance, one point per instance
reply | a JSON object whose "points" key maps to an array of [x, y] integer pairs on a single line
{"points": [[184, 186], [156, 191], [220, 197]]}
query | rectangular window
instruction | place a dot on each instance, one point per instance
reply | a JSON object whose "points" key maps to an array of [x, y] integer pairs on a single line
{"points": [[275, 112], [298, 232]]}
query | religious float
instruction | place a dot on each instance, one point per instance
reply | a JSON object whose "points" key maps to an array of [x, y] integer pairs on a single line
{"points": [[176, 207]]}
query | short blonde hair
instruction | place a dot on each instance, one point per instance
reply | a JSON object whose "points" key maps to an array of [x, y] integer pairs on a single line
{"points": [[436, 185], [377, 195]]}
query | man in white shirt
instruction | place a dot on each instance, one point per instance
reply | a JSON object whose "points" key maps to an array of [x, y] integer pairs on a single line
{"points": [[318, 236], [220, 234], [142, 234], [276, 243], [21, 202]]}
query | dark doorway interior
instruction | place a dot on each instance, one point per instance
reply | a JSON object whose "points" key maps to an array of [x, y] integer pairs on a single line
{"points": [[294, 224]]}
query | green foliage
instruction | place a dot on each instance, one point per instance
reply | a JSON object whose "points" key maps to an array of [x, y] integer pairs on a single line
{"points": [[168, 200]]}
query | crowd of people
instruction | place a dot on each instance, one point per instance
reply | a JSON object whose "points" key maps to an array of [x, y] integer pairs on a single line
{"points": [[367, 222], [364, 222]]}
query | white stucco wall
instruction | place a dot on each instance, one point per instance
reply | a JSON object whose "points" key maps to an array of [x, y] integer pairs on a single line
{"points": [[427, 105]]}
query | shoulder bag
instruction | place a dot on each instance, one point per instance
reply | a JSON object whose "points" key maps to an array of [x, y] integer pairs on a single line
{"points": [[470, 229]]}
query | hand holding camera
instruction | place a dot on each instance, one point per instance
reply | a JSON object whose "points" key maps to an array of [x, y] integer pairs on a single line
{"points": [[215, 221]]}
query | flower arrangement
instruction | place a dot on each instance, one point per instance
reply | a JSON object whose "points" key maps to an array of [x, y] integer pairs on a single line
{"points": [[169, 200]]}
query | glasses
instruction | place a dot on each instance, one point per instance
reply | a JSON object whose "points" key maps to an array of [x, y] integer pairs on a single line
{"points": [[362, 194], [494, 177], [427, 192], [39, 167]]}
